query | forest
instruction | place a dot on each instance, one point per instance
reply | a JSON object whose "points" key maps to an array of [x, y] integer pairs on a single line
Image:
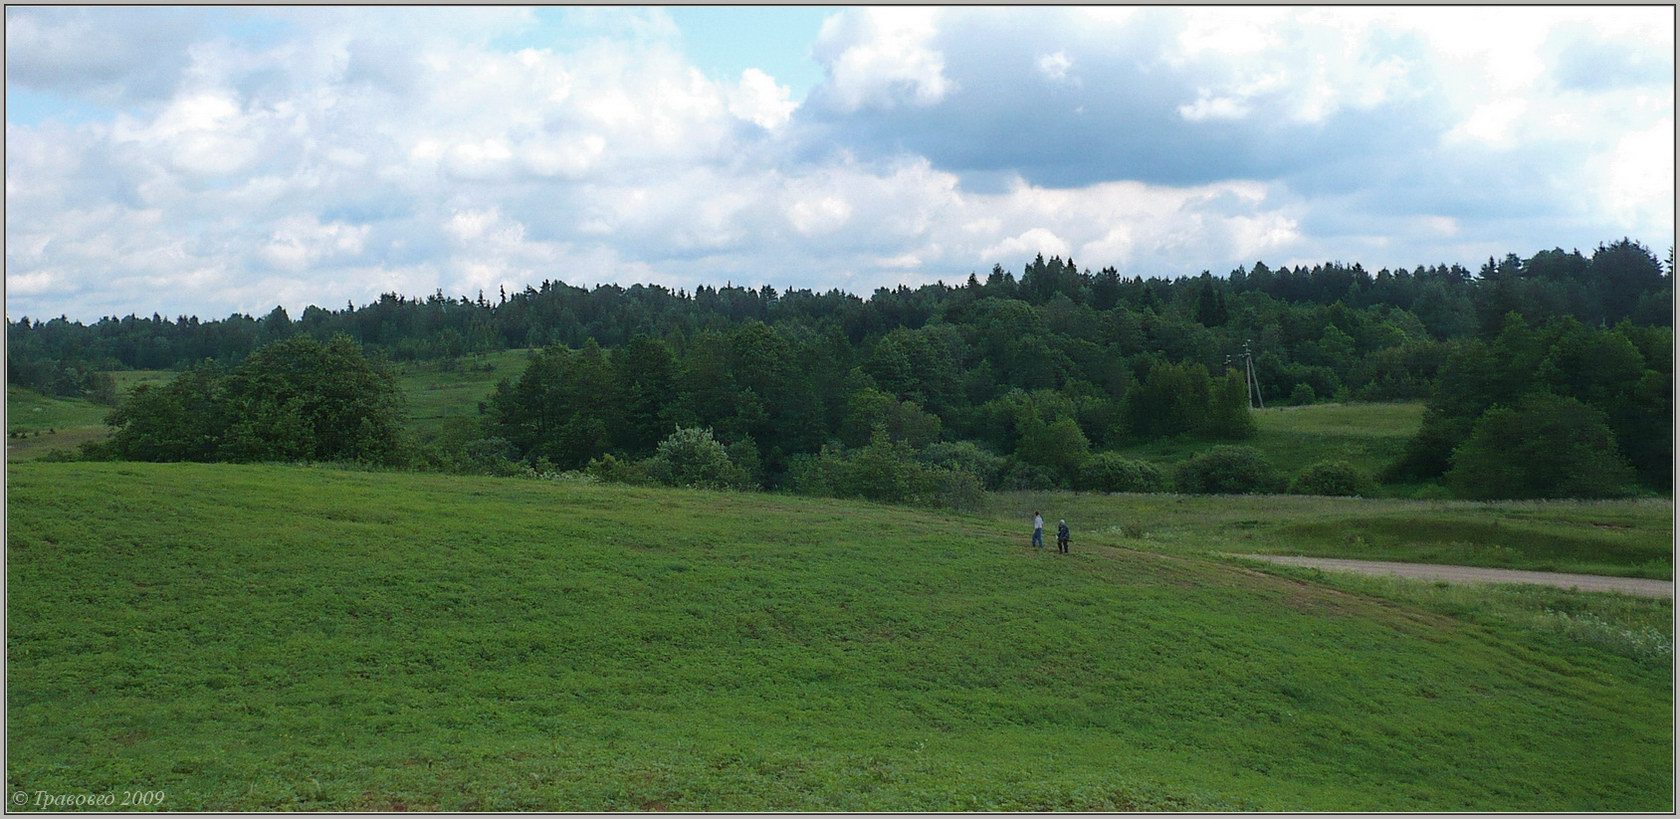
{"points": [[1545, 376]]}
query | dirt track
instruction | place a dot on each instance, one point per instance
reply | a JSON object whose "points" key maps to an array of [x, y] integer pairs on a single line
{"points": [[1470, 574]]}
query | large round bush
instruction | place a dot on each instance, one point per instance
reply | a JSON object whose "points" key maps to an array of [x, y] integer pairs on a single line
{"points": [[1328, 478], [1228, 470], [1547, 447], [1111, 472], [690, 456]]}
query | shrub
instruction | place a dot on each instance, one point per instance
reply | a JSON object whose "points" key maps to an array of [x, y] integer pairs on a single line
{"points": [[1059, 446], [958, 490], [814, 475], [1302, 394], [1228, 470], [744, 455], [690, 456], [1111, 472], [1022, 476], [1548, 447], [886, 470], [296, 399], [1328, 478], [608, 469], [966, 456]]}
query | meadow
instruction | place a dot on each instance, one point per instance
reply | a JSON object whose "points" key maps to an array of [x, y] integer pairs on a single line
{"points": [[43, 423], [437, 390], [1369, 436], [1626, 538], [37, 424], [297, 638]]}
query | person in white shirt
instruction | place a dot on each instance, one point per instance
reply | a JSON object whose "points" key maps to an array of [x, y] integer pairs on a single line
{"points": [[1038, 531]]}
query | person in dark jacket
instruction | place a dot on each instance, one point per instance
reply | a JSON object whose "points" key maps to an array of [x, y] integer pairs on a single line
{"points": [[1062, 537]]}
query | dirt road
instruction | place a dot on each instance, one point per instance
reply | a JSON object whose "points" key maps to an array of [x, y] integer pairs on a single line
{"points": [[1471, 574]]}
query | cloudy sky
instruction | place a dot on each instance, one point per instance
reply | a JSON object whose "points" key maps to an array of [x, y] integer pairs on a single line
{"points": [[211, 161]]}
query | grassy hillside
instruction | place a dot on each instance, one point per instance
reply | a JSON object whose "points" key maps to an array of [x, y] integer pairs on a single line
{"points": [[1369, 436], [1626, 538], [436, 390], [280, 638], [45, 423]]}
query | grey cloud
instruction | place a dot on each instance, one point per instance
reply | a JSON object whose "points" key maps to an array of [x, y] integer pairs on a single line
{"points": [[104, 54], [1120, 122], [355, 132]]}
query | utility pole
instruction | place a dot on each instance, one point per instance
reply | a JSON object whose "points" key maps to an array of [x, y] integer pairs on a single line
{"points": [[1250, 380]]}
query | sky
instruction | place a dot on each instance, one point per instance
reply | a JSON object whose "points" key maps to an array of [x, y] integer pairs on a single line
{"points": [[193, 161]]}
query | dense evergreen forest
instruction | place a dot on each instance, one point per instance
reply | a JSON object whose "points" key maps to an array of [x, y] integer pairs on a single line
{"points": [[1013, 382]]}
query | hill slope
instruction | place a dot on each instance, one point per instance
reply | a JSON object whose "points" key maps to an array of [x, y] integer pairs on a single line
{"points": [[251, 637], [1369, 436]]}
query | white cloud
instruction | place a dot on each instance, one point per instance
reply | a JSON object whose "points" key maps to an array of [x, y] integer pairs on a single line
{"points": [[1054, 66], [1208, 107], [359, 151], [30, 284], [1491, 123], [824, 214], [1439, 225], [200, 133], [1637, 186], [301, 241], [883, 56], [1255, 236], [571, 156], [1029, 243], [760, 100]]}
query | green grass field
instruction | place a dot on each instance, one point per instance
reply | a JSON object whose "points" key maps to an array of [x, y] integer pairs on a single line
{"points": [[1368, 436], [434, 393], [47, 423], [288, 638], [1627, 538]]}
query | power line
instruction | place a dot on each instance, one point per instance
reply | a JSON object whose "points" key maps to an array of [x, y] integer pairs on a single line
{"points": [[1250, 380]]}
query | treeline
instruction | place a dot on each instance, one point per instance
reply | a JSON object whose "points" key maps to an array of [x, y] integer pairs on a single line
{"points": [[1560, 409], [1040, 374], [781, 392], [1283, 310]]}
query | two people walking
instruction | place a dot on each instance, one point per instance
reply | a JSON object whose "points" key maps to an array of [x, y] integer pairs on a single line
{"points": [[1038, 534]]}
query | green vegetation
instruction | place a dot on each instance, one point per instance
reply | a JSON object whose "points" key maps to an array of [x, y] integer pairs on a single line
{"points": [[375, 641], [1367, 436], [1109, 472], [453, 387], [1228, 470], [1611, 388], [293, 400], [30, 411], [1548, 447], [1329, 478], [1627, 538], [127, 380], [1042, 370], [37, 424]]}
